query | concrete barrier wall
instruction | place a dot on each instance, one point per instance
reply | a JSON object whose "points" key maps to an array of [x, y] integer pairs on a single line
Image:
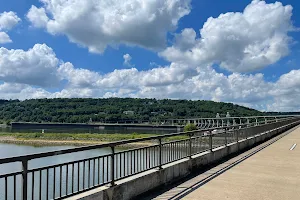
{"points": [[138, 184]]}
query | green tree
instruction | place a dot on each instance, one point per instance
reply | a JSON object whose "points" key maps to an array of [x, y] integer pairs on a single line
{"points": [[190, 127]]}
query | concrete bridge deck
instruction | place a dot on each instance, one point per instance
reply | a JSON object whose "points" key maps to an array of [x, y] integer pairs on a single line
{"points": [[270, 171]]}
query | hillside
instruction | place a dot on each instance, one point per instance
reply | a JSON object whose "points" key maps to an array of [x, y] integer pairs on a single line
{"points": [[113, 110]]}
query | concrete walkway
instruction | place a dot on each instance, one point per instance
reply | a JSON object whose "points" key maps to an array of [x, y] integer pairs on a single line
{"points": [[269, 174]]}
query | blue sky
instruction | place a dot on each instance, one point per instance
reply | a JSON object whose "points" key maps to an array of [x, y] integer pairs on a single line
{"points": [[248, 59]]}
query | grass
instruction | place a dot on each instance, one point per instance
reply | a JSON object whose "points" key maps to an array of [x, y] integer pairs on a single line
{"points": [[83, 136]]}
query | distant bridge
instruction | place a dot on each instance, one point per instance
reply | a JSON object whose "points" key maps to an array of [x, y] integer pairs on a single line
{"points": [[203, 123]]}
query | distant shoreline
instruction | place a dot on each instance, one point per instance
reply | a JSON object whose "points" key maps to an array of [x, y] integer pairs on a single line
{"points": [[46, 142], [77, 139]]}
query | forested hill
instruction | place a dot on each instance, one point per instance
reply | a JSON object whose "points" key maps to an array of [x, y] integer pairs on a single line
{"points": [[113, 110]]}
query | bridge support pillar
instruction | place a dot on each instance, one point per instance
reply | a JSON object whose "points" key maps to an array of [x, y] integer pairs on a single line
{"points": [[266, 121]]}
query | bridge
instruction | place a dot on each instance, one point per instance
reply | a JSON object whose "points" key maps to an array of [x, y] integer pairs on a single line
{"points": [[203, 122], [130, 172], [222, 121]]}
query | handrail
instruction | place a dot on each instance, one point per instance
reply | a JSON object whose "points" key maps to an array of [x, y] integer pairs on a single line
{"points": [[233, 117]]}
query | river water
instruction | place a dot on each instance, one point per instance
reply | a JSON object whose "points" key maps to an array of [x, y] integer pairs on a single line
{"points": [[10, 150]]}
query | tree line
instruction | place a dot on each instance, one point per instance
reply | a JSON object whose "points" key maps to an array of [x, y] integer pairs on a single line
{"points": [[112, 110]]}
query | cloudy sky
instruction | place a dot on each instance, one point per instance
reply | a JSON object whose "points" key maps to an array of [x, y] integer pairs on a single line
{"points": [[241, 51]]}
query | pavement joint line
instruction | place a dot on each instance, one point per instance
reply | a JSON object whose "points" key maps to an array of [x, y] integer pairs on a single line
{"points": [[293, 147]]}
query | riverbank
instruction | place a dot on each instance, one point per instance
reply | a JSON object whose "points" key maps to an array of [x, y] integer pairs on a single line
{"points": [[57, 139]]}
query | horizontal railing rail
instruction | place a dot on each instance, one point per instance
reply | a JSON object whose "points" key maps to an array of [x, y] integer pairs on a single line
{"points": [[65, 179], [242, 117], [222, 121]]}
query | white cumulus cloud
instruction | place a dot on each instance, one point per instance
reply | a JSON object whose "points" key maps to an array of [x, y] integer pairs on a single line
{"points": [[21, 91], [96, 24], [4, 38], [36, 66], [239, 42], [7, 21], [38, 17], [286, 92], [126, 78], [127, 58]]}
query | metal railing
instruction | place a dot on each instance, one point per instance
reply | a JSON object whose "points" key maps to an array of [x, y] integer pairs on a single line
{"points": [[69, 178], [223, 121]]}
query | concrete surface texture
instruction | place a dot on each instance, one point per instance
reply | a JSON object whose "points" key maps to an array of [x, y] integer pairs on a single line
{"points": [[270, 174]]}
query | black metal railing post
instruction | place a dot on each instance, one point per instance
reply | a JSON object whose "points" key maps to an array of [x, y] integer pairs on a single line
{"points": [[24, 179], [190, 146], [226, 142], [236, 134], [112, 165], [160, 153], [210, 141]]}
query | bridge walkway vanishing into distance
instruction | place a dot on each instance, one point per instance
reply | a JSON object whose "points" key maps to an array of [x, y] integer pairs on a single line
{"points": [[269, 171], [124, 174]]}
